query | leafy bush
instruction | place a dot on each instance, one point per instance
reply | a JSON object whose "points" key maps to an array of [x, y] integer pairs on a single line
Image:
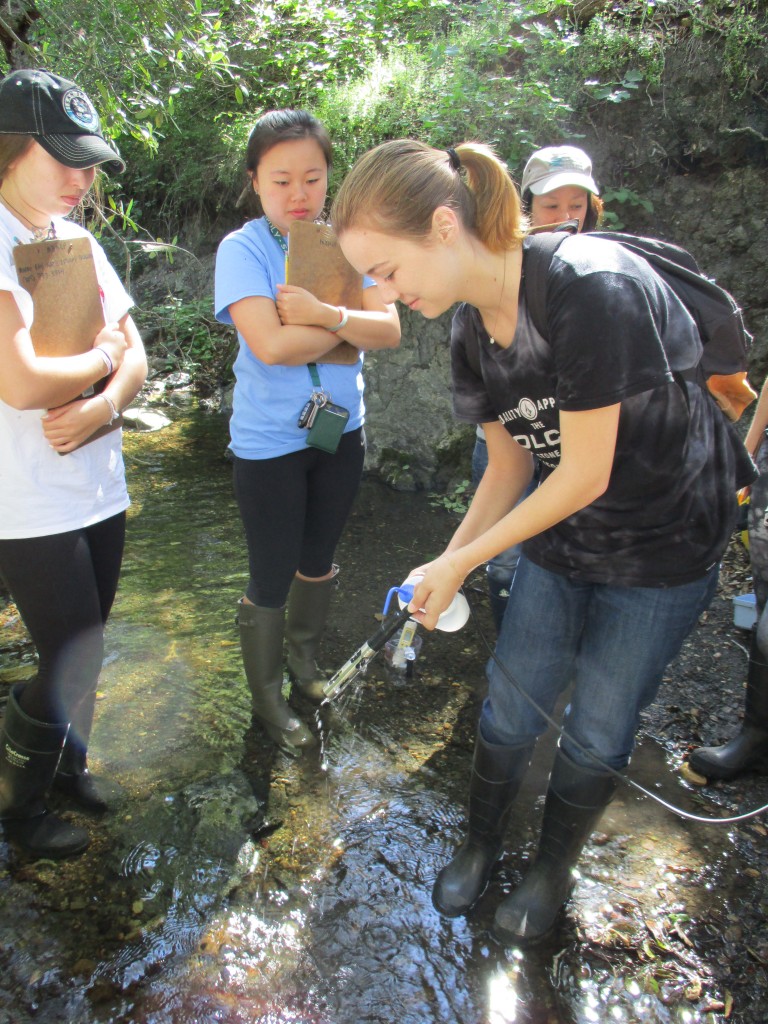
{"points": [[186, 335]]}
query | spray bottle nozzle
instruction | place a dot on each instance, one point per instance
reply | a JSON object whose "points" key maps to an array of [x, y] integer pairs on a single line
{"points": [[406, 592]]}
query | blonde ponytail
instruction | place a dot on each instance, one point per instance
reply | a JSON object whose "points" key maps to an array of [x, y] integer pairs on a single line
{"points": [[396, 188], [498, 219]]}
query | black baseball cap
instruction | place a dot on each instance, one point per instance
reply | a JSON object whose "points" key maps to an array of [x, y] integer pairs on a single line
{"points": [[59, 116]]}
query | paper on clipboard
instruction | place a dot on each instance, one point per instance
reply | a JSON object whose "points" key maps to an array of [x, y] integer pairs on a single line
{"points": [[60, 275]]}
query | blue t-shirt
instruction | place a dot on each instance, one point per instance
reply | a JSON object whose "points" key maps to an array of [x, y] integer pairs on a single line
{"points": [[268, 399]]}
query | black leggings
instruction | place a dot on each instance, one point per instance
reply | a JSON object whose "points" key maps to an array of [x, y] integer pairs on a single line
{"points": [[64, 586], [294, 508]]}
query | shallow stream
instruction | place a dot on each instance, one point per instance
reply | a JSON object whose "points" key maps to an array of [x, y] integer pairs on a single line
{"points": [[234, 884]]}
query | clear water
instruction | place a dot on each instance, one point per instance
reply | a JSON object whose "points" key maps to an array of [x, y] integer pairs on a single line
{"points": [[234, 884]]}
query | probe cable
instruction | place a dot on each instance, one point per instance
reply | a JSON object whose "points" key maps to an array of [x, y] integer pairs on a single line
{"points": [[679, 811]]}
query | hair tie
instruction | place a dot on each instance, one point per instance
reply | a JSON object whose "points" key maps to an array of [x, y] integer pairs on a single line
{"points": [[454, 159]]}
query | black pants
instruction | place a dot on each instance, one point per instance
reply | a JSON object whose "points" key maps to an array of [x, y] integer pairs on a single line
{"points": [[294, 509], [64, 586]]}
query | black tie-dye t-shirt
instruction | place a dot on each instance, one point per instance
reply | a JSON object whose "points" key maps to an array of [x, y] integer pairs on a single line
{"points": [[616, 334]]}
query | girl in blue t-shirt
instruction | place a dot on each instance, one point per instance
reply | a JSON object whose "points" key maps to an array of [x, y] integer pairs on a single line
{"points": [[294, 499]]}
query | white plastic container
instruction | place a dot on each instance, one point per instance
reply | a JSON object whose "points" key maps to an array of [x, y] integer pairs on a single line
{"points": [[744, 611], [454, 616]]}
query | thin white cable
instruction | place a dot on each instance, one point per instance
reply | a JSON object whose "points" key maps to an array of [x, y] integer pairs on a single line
{"points": [[679, 811]]}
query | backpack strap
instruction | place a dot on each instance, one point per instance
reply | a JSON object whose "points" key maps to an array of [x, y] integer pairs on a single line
{"points": [[538, 252]]}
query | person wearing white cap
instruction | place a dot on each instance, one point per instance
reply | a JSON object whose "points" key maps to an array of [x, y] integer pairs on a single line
{"points": [[63, 495], [557, 186]]}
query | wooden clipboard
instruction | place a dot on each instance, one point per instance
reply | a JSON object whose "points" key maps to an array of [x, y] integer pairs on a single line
{"points": [[315, 262], [60, 275]]}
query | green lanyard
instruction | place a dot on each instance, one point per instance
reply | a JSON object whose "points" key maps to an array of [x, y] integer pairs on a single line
{"points": [[284, 246], [276, 235]]}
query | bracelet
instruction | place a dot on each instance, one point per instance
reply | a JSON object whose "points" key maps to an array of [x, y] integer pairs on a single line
{"points": [[107, 360], [343, 313], [114, 414]]}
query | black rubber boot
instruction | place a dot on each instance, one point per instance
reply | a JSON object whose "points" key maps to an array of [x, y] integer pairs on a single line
{"points": [[261, 642], [29, 754], [497, 774], [575, 801], [748, 750], [74, 780], [308, 606]]}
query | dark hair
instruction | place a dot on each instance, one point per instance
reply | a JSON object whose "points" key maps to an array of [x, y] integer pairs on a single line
{"points": [[12, 146], [272, 128], [593, 218], [396, 188]]}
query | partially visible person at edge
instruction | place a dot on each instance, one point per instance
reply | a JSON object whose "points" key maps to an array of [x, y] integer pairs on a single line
{"points": [[294, 499], [557, 186], [748, 750], [63, 496], [621, 539]]}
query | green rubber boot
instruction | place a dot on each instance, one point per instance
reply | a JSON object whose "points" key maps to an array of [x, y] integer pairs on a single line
{"points": [[73, 780], [261, 642], [748, 750], [497, 774], [308, 606]]}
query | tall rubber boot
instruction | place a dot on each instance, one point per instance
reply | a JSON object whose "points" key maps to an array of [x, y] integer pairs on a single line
{"points": [[29, 754], [749, 748], [73, 778], [575, 801], [75, 781], [308, 606], [497, 774], [261, 642]]}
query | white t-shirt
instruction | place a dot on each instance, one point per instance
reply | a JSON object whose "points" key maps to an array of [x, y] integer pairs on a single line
{"points": [[42, 492]]}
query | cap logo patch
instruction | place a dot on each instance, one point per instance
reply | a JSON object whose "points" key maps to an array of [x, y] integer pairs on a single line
{"points": [[563, 161], [79, 109]]}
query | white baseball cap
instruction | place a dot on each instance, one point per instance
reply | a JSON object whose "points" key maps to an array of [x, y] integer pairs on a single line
{"points": [[556, 166]]}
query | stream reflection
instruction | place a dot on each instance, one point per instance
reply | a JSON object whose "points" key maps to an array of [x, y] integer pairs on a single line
{"points": [[234, 884]]}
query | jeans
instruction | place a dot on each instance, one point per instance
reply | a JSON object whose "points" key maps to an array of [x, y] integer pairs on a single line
{"points": [[613, 643]]}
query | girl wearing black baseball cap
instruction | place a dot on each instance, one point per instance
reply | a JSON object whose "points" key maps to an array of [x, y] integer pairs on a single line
{"points": [[63, 495]]}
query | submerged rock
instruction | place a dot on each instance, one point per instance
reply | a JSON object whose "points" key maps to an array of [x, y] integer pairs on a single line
{"points": [[145, 419]]}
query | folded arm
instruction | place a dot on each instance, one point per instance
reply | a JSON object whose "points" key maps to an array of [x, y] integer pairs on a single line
{"points": [[376, 325], [29, 381], [71, 424], [296, 329]]}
